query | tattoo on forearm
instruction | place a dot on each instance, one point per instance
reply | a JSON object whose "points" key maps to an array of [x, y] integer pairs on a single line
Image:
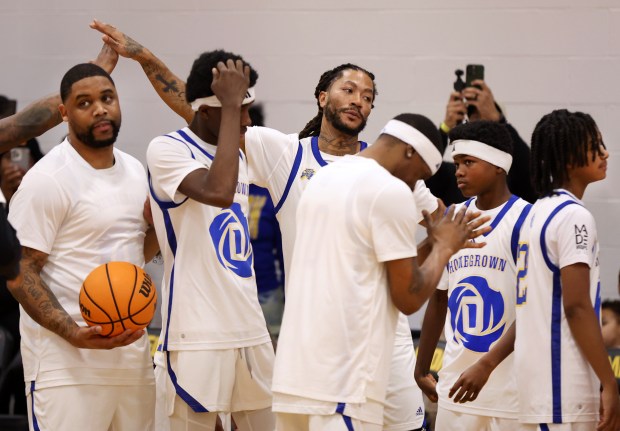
{"points": [[37, 298], [133, 47], [169, 85]]}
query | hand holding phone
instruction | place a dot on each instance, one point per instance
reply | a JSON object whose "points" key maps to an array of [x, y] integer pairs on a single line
{"points": [[473, 72]]}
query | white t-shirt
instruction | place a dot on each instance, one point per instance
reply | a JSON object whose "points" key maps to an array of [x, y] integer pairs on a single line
{"points": [[339, 322], [555, 382], [481, 298], [209, 298], [81, 217]]}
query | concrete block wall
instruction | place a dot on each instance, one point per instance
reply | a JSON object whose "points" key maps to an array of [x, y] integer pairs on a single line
{"points": [[538, 55]]}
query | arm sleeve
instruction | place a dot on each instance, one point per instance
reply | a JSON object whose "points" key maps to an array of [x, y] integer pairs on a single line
{"points": [[37, 211], [265, 148], [393, 223], [169, 162], [424, 200], [571, 236]]}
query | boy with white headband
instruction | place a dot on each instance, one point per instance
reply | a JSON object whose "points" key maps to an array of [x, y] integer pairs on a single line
{"points": [[478, 305], [354, 267], [215, 352]]}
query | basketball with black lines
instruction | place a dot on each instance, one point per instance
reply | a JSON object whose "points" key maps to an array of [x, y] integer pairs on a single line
{"points": [[118, 296]]}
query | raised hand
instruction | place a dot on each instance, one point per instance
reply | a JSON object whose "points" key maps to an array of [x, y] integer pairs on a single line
{"points": [[230, 82], [117, 40], [482, 98], [106, 59], [455, 110], [454, 231]]}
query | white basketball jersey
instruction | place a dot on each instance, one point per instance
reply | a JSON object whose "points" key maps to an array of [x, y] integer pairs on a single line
{"points": [[209, 297], [555, 382], [481, 298]]}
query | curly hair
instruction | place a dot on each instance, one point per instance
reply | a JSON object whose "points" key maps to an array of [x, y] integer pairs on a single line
{"points": [[201, 76], [492, 133]]}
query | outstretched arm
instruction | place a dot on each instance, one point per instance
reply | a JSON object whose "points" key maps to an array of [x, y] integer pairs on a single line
{"points": [[42, 115], [41, 304], [169, 87]]}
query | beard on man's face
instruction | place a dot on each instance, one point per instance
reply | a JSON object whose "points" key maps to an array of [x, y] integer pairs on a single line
{"points": [[332, 115], [88, 137]]}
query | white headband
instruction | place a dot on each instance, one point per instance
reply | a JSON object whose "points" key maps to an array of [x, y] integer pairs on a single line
{"points": [[482, 151], [214, 102], [410, 135]]}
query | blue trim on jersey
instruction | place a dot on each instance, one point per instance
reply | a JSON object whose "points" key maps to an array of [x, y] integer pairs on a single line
{"points": [[363, 146], [340, 408], [498, 218], [185, 396], [514, 239], [202, 150], [597, 301], [314, 144], [291, 178], [544, 427], [35, 423], [556, 319]]}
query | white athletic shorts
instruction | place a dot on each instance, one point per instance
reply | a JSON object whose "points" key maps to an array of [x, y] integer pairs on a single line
{"points": [[404, 404], [574, 426], [448, 420], [232, 380], [91, 407], [333, 422]]}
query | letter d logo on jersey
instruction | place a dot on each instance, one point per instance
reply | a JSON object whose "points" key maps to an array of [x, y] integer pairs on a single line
{"points": [[231, 238], [476, 314]]}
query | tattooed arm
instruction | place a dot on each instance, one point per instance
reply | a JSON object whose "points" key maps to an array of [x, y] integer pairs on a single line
{"points": [[41, 304], [42, 115], [169, 87]]}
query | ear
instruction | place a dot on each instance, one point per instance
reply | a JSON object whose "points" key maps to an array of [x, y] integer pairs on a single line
{"points": [[203, 111], [409, 151], [322, 99], [63, 112]]}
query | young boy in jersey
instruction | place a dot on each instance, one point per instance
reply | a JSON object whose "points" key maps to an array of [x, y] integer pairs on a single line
{"points": [[218, 353], [561, 365], [560, 361], [478, 305]]}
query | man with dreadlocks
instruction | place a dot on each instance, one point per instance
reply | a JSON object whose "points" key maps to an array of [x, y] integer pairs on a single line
{"points": [[285, 163]]}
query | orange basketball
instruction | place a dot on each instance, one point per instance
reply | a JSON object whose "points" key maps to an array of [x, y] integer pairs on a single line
{"points": [[118, 296]]}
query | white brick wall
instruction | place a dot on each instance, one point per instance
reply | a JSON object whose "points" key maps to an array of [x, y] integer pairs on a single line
{"points": [[539, 55]]}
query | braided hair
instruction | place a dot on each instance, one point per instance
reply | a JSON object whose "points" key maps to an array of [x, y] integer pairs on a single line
{"points": [[327, 79], [561, 139]]}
